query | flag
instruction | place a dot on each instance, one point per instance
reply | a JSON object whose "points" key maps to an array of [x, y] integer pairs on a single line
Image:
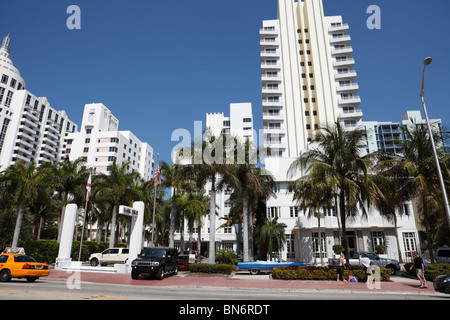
{"points": [[88, 188], [157, 177]]}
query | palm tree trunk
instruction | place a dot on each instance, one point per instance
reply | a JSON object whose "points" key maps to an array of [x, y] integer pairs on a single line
{"points": [[427, 230], [245, 224], [112, 236], [343, 226], [18, 226], [199, 242], [212, 224], [172, 222]]}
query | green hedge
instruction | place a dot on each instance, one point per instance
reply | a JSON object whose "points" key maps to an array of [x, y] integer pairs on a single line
{"points": [[211, 268], [433, 270], [323, 273]]}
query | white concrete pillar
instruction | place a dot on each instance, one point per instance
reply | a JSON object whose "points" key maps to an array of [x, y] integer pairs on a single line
{"points": [[137, 225], [68, 228]]}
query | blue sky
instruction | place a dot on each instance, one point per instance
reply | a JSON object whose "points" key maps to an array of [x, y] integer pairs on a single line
{"points": [[161, 65]]}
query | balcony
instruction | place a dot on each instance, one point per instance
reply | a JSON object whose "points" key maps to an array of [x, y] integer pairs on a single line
{"points": [[339, 28], [269, 54], [273, 90], [268, 31], [273, 115], [270, 77], [347, 87], [347, 75], [344, 62], [349, 100], [272, 102], [342, 50], [335, 39], [266, 42], [270, 65], [351, 114]]}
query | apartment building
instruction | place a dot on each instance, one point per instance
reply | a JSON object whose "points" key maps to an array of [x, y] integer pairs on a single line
{"points": [[31, 130], [308, 80], [101, 143], [388, 135]]}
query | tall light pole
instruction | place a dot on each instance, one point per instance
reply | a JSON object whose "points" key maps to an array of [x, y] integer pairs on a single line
{"points": [[426, 62]]}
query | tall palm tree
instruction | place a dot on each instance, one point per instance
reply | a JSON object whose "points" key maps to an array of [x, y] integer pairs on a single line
{"points": [[120, 186], [69, 181], [416, 169], [249, 181], [335, 162], [206, 164], [312, 199], [270, 236], [24, 184]]}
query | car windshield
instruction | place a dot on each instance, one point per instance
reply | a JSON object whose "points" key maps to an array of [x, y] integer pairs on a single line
{"points": [[153, 253], [23, 259]]}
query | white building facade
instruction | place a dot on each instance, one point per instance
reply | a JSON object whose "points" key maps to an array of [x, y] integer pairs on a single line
{"points": [[30, 129], [308, 80], [101, 143]]}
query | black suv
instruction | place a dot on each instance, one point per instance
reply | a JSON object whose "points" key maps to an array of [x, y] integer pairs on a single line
{"points": [[156, 262]]}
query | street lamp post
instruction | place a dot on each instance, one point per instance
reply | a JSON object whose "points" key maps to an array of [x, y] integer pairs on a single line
{"points": [[426, 62]]}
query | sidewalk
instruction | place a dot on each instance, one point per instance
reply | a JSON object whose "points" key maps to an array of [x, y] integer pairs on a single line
{"points": [[244, 280]]}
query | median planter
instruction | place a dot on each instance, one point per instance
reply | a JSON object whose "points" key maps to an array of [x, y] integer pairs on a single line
{"points": [[225, 269], [323, 273]]}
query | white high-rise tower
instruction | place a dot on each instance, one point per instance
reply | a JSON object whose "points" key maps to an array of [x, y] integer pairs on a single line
{"points": [[307, 76]]}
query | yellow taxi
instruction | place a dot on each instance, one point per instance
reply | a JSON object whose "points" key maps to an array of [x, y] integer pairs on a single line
{"points": [[21, 266]]}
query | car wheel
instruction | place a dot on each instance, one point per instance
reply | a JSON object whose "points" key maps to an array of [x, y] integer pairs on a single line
{"points": [[5, 276], [393, 270], [160, 273], [134, 275], [254, 271], [94, 262], [175, 270]]}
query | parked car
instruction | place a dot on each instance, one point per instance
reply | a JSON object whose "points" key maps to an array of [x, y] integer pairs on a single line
{"points": [[157, 262], [256, 267], [374, 258], [109, 256], [442, 283], [183, 262], [21, 266], [443, 255]]}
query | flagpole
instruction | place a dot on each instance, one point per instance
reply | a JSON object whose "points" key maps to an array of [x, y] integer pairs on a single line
{"points": [[154, 201], [88, 191]]}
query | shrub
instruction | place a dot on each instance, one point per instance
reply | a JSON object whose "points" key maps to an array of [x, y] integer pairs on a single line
{"points": [[433, 270], [380, 249], [226, 257], [324, 273], [211, 268]]}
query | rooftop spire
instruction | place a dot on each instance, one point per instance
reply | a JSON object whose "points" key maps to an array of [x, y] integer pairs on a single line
{"points": [[6, 42]]}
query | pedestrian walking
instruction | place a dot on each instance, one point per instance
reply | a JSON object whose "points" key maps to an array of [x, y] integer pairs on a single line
{"points": [[340, 268], [418, 265], [365, 261]]}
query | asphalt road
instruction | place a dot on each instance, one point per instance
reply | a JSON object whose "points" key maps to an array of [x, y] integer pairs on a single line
{"points": [[46, 289]]}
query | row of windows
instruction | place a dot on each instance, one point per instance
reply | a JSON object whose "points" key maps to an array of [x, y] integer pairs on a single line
{"points": [[4, 79]]}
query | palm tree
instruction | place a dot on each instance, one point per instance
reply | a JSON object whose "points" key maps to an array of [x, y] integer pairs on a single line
{"points": [[249, 181], [172, 178], [24, 184], [312, 198], [207, 161], [416, 170], [270, 236], [69, 180], [120, 186], [334, 162]]}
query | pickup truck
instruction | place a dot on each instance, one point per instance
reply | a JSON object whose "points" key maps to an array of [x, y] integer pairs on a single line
{"points": [[109, 256], [374, 258]]}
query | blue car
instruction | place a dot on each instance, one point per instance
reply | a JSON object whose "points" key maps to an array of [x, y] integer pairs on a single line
{"points": [[256, 266]]}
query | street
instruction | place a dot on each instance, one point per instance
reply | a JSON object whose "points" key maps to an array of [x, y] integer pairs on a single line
{"points": [[46, 289]]}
